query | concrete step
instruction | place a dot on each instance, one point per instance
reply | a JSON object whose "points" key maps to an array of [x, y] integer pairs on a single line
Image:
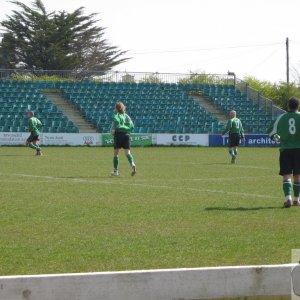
{"points": [[70, 111], [210, 107]]}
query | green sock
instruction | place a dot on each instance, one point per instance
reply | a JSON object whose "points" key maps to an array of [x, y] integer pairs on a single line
{"points": [[130, 159], [235, 152], [287, 188], [296, 188], [32, 146], [231, 152], [116, 162]]}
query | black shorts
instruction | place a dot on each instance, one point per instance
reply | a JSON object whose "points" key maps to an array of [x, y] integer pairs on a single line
{"points": [[121, 140], [289, 161], [234, 140], [32, 138]]}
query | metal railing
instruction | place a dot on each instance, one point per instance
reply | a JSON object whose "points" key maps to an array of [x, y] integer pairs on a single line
{"points": [[143, 77], [257, 98], [116, 76]]}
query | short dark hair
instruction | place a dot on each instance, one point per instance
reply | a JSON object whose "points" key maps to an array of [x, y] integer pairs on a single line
{"points": [[293, 104]]}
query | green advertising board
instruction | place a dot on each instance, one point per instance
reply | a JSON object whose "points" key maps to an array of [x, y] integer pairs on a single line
{"points": [[137, 139]]}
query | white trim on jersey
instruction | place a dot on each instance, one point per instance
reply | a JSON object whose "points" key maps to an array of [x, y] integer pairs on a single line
{"points": [[274, 130]]}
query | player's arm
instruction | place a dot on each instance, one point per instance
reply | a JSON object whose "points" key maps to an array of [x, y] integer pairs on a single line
{"points": [[271, 128], [129, 123], [30, 126], [272, 132], [39, 123], [242, 135], [116, 122], [114, 125], [228, 127]]}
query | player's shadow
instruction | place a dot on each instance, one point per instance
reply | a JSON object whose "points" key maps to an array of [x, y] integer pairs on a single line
{"points": [[242, 208]]}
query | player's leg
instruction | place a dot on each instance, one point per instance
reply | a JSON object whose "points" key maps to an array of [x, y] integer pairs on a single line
{"points": [[115, 172], [131, 161], [287, 190], [117, 147], [296, 171], [126, 146], [235, 150], [296, 188], [231, 151], [233, 157], [32, 145], [230, 145], [236, 145], [30, 142], [36, 144], [233, 144], [235, 153], [286, 170]]}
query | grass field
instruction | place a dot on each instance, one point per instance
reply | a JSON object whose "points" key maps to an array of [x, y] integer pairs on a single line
{"points": [[186, 207]]}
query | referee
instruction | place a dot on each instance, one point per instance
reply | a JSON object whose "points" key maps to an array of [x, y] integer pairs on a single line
{"points": [[235, 130]]}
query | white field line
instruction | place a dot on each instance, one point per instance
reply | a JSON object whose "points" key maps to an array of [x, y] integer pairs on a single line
{"points": [[253, 167], [201, 190], [49, 178], [229, 165], [224, 178], [127, 183], [205, 179]]}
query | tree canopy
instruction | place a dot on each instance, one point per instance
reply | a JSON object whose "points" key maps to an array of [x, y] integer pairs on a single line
{"points": [[38, 39], [279, 93]]}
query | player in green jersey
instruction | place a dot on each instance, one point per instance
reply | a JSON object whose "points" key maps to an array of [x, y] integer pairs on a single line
{"points": [[236, 132], [34, 127], [286, 128], [121, 128]]}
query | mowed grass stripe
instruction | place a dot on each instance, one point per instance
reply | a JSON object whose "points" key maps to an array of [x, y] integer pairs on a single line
{"points": [[186, 207], [142, 185]]}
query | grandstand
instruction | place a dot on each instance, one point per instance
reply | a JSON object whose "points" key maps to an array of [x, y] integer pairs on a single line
{"points": [[155, 107], [16, 97], [255, 119]]}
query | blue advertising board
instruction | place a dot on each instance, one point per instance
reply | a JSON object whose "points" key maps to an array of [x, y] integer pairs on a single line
{"points": [[251, 140]]}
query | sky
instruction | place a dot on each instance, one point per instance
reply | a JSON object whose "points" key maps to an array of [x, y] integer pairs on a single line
{"points": [[178, 36]]}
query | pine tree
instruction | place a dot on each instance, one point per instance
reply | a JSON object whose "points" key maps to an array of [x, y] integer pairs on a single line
{"points": [[56, 40]]}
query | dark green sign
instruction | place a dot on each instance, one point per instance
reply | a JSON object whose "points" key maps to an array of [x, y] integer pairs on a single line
{"points": [[137, 139]]}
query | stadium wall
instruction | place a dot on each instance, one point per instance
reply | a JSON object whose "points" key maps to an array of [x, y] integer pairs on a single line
{"points": [[251, 140], [249, 282], [55, 139], [147, 139]]}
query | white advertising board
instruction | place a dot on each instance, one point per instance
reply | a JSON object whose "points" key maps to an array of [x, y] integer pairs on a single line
{"points": [[70, 139], [55, 139], [94, 139], [13, 138], [182, 139]]}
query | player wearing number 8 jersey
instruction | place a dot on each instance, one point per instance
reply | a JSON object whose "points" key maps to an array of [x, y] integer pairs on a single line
{"points": [[286, 128]]}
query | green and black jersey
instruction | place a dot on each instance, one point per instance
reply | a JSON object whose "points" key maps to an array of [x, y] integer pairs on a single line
{"points": [[122, 123], [234, 125], [34, 125], [287, 126]]}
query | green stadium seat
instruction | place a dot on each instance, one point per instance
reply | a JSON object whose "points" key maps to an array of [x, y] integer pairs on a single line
{"points": [[153, 107], [21, 96]]}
